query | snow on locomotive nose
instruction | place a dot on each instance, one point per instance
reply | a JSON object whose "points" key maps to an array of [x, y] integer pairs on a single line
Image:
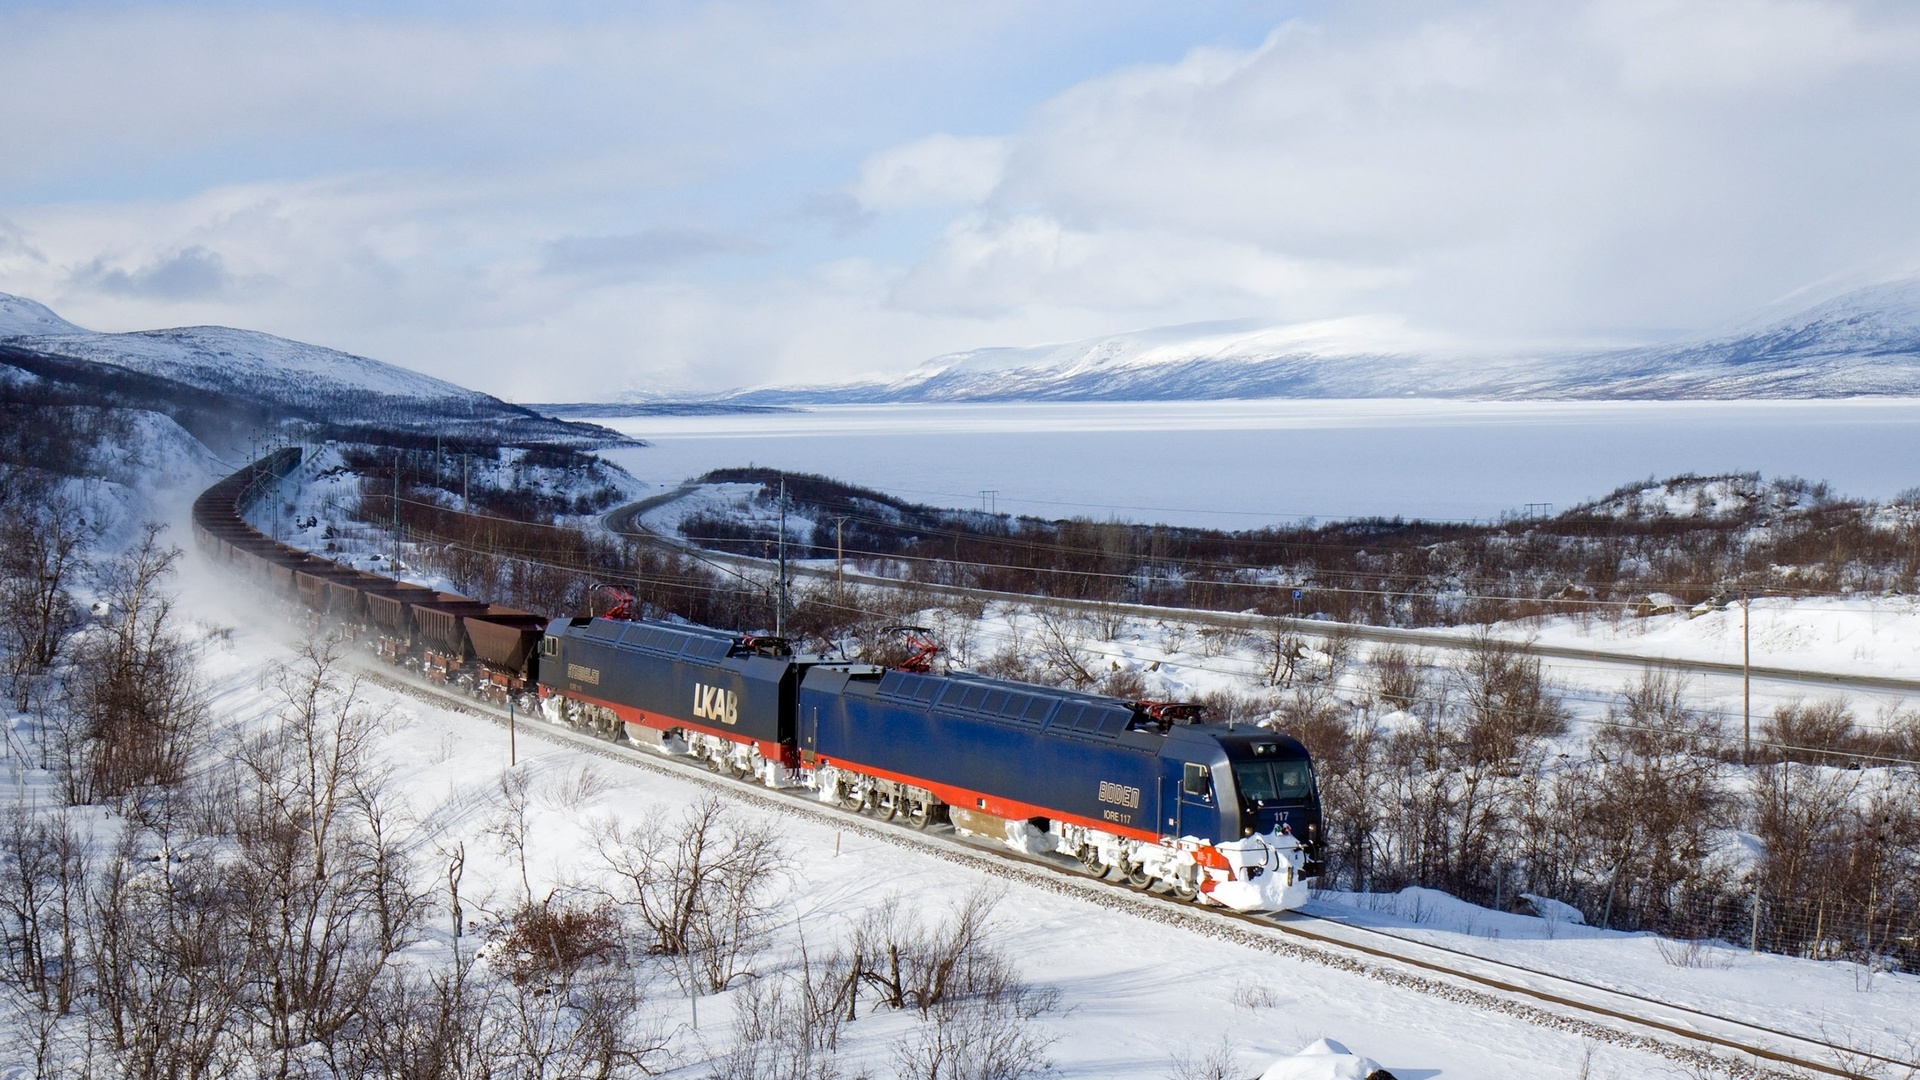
{"points": [[1262, 872]]}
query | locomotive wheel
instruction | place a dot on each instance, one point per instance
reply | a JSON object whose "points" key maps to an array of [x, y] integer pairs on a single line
{"points": [[1090, 862], [713, 763], [852, 800], [919, 813], [1138, 878], [1183, 890]]}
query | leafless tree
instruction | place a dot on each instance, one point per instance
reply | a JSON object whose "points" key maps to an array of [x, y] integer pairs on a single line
{"points": [[912, 965], [701, 885], [1058, 649], [44, 545], [1647, 800], [170, 952], [329, 894], [44, 870], [133, 692]]}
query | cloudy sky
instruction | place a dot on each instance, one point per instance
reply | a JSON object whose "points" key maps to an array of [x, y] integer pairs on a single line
{"points": [[567, 201]]}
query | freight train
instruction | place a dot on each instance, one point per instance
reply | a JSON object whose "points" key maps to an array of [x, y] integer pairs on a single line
{"points": [[1147, 793]]}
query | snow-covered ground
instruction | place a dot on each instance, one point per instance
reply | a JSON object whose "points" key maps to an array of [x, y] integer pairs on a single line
{"points": [[1242, 464], [1135, 993]]}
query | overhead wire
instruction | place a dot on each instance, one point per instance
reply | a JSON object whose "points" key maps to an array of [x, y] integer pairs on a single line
{"points": [[1011, 636]]}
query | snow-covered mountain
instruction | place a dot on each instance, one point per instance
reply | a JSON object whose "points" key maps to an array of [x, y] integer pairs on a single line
{"points": [[248, 367], [1866, 342]]}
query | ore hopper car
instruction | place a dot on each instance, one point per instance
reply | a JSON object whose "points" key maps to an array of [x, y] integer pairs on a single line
{"points": [[485, 648]]}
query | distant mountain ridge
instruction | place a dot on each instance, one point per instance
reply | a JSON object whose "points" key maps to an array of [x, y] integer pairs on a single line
{"points": [[284, 377], [1863, 343]]}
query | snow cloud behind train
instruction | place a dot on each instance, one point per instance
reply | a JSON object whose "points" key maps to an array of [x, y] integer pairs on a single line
{"points": [[685, 196]]}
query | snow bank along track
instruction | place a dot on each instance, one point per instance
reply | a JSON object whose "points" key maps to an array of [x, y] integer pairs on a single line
{"points": [[1586, 1009]]}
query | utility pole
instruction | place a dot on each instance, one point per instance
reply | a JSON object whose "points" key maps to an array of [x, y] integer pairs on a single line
{"points": [[466, 507], [839, 558], [396, 507], [1746, 679], [780, 599], [990, 499]]}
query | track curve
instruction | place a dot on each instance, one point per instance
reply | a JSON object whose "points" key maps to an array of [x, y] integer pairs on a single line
{"points": [[1687, 1035]]}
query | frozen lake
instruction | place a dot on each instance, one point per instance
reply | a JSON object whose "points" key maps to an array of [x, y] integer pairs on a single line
{"points": [[1239, 464]]}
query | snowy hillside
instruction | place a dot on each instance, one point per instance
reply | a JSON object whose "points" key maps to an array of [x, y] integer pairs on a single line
{"points": [[19, 315], [1866, 342], [308, 381]]}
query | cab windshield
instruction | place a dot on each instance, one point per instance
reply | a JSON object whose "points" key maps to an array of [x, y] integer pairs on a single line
{"points": [[1273, 781]]}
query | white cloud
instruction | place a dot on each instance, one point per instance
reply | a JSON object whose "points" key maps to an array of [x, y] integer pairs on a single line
{"points": [[937, 170], [1497, 168], [748, 192]]}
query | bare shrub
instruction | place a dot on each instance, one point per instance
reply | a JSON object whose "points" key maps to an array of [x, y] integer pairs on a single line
{"points": [[1281, 651], [1230, 707], [787, 1027], [1399, 677], [1506, 699], [973, 1039], [1123, 683], [1644, 807], [540, 943], [574, 791], [1801, 815], [512, 824], [423, 1027], [1217, 1060], [168, 949], [1820, 733], [462, 1025], [977, 1012], [1015, 659], [701, 885], [1689, 953], [1251, 995], [320, 876], [586, 1025]]}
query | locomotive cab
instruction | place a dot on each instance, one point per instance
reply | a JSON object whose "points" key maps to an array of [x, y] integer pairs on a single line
{"points": [[1234, 785], [1275, 790]]}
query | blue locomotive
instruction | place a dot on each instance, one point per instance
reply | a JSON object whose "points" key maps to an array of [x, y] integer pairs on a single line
{"points": [[1142, 792]]}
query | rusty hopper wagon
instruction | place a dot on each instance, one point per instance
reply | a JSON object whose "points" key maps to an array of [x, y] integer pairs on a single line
{"points": [[486, 648]]}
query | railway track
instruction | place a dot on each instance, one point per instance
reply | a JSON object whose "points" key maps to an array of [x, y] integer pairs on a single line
{"points": [[1689, 1036], [625, 521], [1694, 1037]]}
